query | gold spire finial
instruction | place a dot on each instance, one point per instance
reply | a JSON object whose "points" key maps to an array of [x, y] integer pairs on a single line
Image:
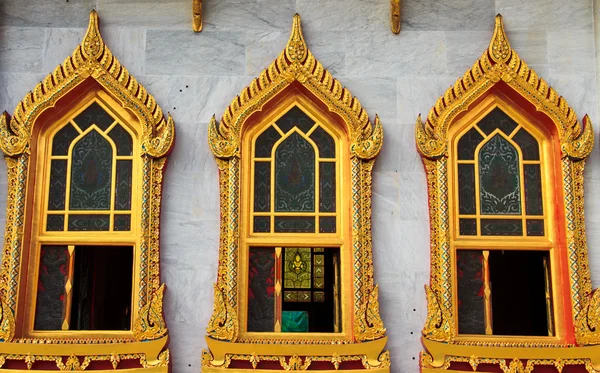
{"points": [[499, 46], [92, 44], [296, 49]]}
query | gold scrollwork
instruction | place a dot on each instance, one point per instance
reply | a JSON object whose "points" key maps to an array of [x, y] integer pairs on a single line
{"points": [[439, 324], [588, 324], [150, 324], [223, 324], [369, 325], [7, 321]]}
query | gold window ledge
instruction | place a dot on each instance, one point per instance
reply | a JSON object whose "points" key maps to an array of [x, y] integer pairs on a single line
{"points": [[371, 354]]}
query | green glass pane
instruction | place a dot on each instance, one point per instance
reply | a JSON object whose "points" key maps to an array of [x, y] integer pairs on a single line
{"points": [[91, 171], [122, 222], [297, 268], [499, 186], [294, 321], [501, 227], [295, 175], [262, 224], [535, 227]]}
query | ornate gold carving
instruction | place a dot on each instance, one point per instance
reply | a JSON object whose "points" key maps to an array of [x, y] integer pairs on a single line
{"points": [[7, 322], [295, 63], [150, 324], [501, 63], [223, 324], [295, 363], [197, 15], [76, 363], [439, 324], [588, 326], [369, 325], [395, 18]]}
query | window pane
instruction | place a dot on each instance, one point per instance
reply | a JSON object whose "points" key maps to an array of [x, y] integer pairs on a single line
{"points": [[55, 222], [123, 185], [327, 224], [499, 186], [295, 118], [62, 139], [122, 222], [51, 297], [89, 222], [497, 119], [467, 144], [294, 322], [261, 290], [324, 142], [262, 224], [501, 227], [471, 301], [297, 268], [91, 172], [294, 224], [295, 175], [264, 142], [122, 140], [535, 227], [466, 189], [533, 189], [58, 184], [528, 144], [262, 186], [94, 114], [327, 186], [467, 227]]}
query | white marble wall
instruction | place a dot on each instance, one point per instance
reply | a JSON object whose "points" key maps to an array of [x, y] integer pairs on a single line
{"points": [[196, 75]]}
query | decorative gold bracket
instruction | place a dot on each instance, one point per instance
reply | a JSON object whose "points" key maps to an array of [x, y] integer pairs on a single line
{"points": [[395, 17], [197, 15]]}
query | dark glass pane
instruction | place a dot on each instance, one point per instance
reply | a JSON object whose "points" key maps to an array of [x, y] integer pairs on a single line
{"points": [[261, 290], [102, 287], [91, 171], [295, 118], [466, 189], [55, 222], [50, 303], [467, 144], [123, 185], [501, 227], [533, 189], [467, 227], [295, 175], [499, 185], [89, 222], [294, 321], [528, 144], [94, 114], [297, 224], [535, 227], [262, 186], [264, 142], [122, 222], [324, 142], [62, 139], [327, 186], [327, 224], [262, 224], [58, 184], [471, 301], [122, 140], [497, 119]]}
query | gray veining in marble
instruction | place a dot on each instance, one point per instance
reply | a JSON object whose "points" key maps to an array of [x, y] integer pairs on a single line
{"points": [[21, 50]]}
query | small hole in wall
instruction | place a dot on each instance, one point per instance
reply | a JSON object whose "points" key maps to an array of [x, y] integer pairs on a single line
{"points": [[189, 365], [411, 332], [413, 358], [187, 86], [414, 309], [181, 90], [174, 108]]}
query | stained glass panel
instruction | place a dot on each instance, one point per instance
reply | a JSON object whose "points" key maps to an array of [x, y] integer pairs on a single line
{"points": [[262, 224], [91, 172], [497, 119], [62, 139], [50, 303], [262, 186], [261, 290], [295, 175], [58, 184], [501, 227], [499, 186], [294, 224], [297, 296], [319, 296], [326, 186], [467, 227], [294, 321], [466, 189], [264, 142], [533, 189], [471, 302], [528, 144], [89, 222], [55, 222], [297, 268], [122, 222], [535, 227], [327, 224], [123, 185], [295, 118], [325, 143], [319, 271], [94, 114], [122, 140], [467, 144]]}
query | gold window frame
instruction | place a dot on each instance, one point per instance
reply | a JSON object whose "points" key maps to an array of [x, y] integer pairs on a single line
{"points": [[296, 78], [90, 74], [501, 79]]}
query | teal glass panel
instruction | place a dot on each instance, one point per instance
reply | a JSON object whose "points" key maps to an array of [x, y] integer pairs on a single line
{"points": [[91, 171], [294, 321], [499, 181], [501, 227], [122, 222], [295, 175], [262, 224], [535, 227]]}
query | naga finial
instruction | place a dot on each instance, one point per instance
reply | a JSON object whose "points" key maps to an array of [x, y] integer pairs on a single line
{"points": [[499, 46], [296, 49], [92, 45]]}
